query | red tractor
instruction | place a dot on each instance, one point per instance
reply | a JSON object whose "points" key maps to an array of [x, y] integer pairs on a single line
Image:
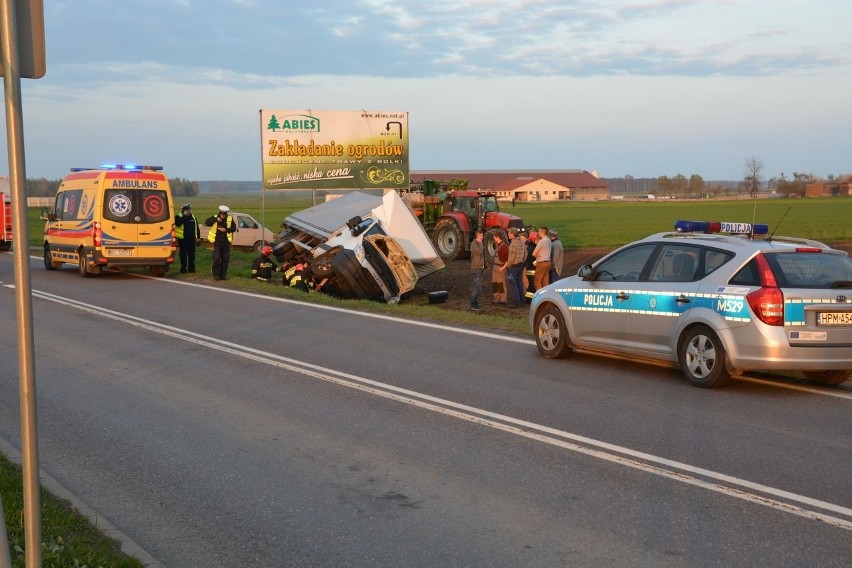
{"points": [[451, 214]]}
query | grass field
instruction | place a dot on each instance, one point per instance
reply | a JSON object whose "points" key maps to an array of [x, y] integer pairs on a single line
{"points": [[585, 224]]}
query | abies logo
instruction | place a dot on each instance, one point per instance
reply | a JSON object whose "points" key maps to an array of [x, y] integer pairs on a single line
{"points": [[294, 123]]}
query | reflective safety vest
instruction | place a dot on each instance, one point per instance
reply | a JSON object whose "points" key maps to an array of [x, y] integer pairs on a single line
{"points": [[179, 228], [211, 236], [291, 277]]}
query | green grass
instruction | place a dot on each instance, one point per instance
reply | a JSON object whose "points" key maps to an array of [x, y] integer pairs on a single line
{"points": [[583, 224], [614, 223], [68, 539]]}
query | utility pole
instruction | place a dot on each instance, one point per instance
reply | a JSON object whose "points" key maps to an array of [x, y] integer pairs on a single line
{"points": [[22, 38]]}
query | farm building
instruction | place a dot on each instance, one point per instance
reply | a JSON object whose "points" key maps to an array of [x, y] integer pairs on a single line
{"points": [[828, 189], [527, 185]]}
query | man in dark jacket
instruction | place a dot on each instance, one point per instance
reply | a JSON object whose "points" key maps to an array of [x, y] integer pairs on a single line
{"points": [[187, 232], [477, 269]]}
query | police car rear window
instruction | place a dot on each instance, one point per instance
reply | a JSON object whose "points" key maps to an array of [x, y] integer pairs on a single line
{"points": [[810, 269], [136, 205]]}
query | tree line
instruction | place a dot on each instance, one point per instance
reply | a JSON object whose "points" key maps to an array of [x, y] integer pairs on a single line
{"points": [[679, 186]]}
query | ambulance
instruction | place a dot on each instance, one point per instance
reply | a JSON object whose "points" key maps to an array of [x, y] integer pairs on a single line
{"points": [[114, 216]]}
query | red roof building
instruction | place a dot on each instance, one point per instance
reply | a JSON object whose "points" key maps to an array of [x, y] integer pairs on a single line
{"points": [[526, 185]]}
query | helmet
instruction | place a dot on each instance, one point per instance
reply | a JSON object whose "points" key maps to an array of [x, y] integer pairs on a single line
{"points": [[266, 250], [185, 207], [224, 208]]}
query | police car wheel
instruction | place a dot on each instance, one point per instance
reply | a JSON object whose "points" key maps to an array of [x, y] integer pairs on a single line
{"points": [[551, 333], [702, 358], [828, 377]]}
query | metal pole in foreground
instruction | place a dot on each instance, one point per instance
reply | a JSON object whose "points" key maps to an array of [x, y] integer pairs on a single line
{"points": [[23, 287], [5, 559]]}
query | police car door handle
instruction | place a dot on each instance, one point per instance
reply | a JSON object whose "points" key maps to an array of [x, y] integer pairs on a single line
{"points": [[622, 296], [682, 299]]}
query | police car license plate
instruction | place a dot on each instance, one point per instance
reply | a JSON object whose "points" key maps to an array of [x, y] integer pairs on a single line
{"points": [[119, 252], [834, 318]]}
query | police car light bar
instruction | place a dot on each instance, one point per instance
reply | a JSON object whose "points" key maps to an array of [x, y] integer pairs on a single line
{"points": [[721, 227]]}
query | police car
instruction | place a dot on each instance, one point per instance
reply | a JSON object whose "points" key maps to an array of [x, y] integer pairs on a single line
{"points": [[715, 298]]}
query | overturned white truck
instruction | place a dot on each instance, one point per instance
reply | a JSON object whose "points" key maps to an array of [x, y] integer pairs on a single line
{"points": [[360, 246]]}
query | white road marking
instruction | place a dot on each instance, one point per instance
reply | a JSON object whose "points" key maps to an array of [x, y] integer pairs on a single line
{"points": [[685, 473]]}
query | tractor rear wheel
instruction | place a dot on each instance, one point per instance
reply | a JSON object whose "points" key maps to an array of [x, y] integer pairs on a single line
{"points": [[448, 239]]}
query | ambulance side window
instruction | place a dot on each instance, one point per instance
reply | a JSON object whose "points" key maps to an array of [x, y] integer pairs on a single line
{"points": [[68, 205], [58, 206]]}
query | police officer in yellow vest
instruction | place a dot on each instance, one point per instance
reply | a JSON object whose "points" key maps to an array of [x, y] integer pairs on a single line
{"points": [[187, 232], [222, 229]]}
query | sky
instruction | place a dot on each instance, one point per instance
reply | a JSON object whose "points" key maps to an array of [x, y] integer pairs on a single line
{"points": [[643, 88]]}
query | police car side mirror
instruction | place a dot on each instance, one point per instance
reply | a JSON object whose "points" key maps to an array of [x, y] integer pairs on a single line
{"points": [[585, 271]]}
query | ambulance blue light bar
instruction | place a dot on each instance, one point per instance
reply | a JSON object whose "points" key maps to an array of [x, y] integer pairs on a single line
{"points": [[125, 167], [721, 227]]}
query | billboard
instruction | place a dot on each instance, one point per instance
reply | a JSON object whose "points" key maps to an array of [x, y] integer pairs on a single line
{"points": [[332, 149]]}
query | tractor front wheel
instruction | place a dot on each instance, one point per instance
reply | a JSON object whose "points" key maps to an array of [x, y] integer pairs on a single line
{"points": [[448, 239]]}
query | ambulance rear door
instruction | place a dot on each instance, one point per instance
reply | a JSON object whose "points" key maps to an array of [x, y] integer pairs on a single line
{"points": [[137, 221]]}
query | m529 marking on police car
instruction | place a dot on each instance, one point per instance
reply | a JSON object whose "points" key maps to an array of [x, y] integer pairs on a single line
{"points": [[725, 305]]}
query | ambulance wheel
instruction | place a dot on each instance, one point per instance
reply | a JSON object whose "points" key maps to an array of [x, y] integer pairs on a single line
{"points": [[158, 271], [83, 265], [48, 260]]}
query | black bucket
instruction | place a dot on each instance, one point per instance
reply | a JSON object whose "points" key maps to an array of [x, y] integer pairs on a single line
{"points": [[438, 297]]}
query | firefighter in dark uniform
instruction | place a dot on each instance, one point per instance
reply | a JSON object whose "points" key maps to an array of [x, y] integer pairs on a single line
{"points": [[297, 276], [263, 266]]}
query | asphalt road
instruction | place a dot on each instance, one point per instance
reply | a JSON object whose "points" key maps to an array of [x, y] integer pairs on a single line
{"points": [[225, 429]]}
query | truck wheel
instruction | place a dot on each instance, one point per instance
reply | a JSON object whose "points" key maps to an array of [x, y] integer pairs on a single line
{"points": [[448, 239], [48, 259], [827, 377], [491, 244], [258, 245], [321, 265], [702, 358]]}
